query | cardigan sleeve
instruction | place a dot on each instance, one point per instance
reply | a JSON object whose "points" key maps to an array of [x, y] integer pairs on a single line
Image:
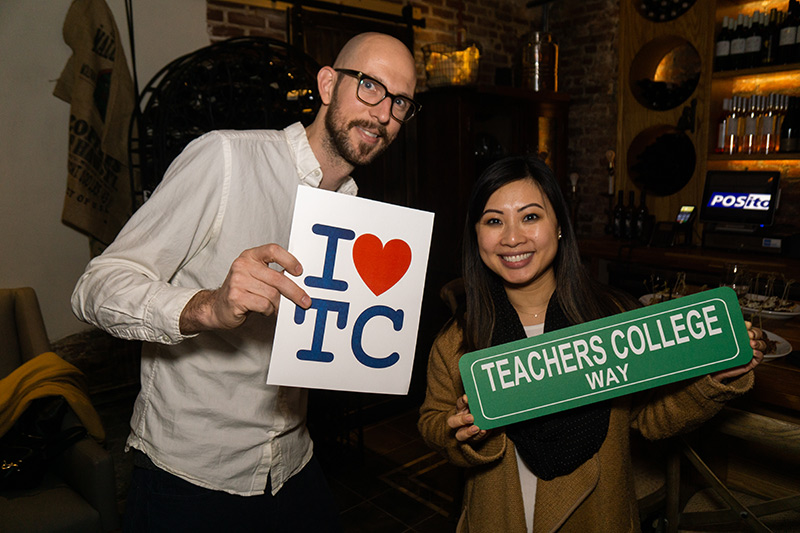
{"points": [[443, 389], [681, 407]]}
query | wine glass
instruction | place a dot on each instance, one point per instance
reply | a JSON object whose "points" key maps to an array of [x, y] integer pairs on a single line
{"points": [[737, 277]]}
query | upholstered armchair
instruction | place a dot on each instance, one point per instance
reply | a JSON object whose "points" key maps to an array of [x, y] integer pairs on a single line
{"points": [[78, 493]]}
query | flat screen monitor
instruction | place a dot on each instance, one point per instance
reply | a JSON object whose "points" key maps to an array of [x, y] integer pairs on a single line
{"points": [[740, 198]]}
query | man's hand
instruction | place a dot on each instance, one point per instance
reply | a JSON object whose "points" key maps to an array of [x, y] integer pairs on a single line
{"points": [[250, 286]]}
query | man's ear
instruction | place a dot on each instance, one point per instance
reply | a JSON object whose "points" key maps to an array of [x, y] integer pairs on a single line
{"points": [[326, 79]]}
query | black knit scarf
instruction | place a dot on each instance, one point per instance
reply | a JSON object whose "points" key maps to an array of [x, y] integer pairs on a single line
{"points": [[552, 445]]}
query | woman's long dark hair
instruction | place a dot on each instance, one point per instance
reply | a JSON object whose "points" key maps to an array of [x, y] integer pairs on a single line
{"points": [[580, 297]]}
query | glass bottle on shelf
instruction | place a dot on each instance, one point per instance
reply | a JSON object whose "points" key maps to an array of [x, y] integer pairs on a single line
{"points": [[770, 43], [641, 230], [738, 40], [787, 38], [722, 129], [752, 42], [780, 114], [722, 51], [790, 129], [734, 127], [630, 213], [618, 225], [766, 135], [748, 144]]}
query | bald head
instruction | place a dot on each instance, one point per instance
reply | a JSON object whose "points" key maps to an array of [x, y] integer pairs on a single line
{"points": [[368, 49]]}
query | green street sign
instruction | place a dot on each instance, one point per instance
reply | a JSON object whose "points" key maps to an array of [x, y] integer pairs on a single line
{"points": [[617, 355]]}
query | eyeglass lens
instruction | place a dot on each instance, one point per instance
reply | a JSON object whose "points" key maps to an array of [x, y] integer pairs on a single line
{"points": [[373, 92]]}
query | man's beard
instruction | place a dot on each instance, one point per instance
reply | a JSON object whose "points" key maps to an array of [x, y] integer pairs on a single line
{"points": [[341, 144]]}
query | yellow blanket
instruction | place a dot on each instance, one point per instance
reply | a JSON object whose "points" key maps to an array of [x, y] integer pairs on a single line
{"points": [[47, 375]]}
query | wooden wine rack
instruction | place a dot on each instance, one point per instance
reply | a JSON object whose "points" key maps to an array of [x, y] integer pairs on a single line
{"points": [[643, 45]]}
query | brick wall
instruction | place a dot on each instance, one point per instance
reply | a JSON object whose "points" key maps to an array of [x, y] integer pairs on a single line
{"points": [[587, 34]]}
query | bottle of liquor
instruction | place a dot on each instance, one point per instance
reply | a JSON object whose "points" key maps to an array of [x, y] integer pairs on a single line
{"points": [[641, 230], [790, 129], [722, 129], [738, 40], [722, 52], [766, 136], [618, 226], [780, 114], [734, 129], [787, 38], [752, 42], [749, 139]]}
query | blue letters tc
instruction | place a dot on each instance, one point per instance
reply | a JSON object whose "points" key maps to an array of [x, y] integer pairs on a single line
{"points": [[333, 234], [358, 329], [322, 306]]}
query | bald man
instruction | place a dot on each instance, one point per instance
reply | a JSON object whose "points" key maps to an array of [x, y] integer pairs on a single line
{"points": [[197, 273]]}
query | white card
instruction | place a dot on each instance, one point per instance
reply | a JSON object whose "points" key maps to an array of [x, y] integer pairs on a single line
{"points": [[364, 266]]}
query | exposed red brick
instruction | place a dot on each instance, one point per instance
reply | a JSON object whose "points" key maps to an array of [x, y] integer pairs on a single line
{"points": [[440, 12], [226, 31], [246, 19]]}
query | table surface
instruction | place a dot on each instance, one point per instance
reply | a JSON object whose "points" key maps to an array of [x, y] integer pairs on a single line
{"points": [[778, 380]]}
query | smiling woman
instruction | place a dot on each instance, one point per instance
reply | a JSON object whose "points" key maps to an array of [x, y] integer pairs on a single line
{"points": [[522, 277]]}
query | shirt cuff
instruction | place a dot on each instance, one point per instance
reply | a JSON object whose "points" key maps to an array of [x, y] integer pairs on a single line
{"points": [[164, 313]]}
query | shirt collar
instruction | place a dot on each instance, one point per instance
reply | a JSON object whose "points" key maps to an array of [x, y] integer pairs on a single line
{"points": [[308, 168]]}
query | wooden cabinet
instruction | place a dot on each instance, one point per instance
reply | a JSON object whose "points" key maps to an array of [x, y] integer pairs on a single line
{"points": [[459, 132], [663, 104], [462, 129]]}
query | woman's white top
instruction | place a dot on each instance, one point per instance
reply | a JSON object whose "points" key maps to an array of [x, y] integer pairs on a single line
{"points": [[527, 479]]}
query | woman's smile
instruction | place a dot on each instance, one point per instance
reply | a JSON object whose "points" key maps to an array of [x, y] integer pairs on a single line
{"points": [[517, 260]]}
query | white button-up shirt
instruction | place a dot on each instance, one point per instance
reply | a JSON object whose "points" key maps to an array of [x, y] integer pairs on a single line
{"points": [[204, 412]]}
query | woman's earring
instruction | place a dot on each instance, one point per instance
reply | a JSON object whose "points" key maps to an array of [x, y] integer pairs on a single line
{"points": [[559, 234]]}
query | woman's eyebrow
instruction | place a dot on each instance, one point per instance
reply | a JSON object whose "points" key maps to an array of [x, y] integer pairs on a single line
{"points": [[532, 204]]}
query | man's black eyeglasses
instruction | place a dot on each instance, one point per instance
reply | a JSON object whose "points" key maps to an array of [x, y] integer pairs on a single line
{"points": [[372, 92]]}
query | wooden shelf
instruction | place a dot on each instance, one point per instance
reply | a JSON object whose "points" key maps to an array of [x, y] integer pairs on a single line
{"points": [[759, 71], [780, 156]]}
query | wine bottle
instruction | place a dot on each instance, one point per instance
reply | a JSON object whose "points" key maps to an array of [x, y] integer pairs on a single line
{"points": [[734, 129], [748, 144], [766, 136], [752, 42], [790, 129], [722, 130], [630, 213], [722, 52], [780, 108], [618, 225], [641, 229], [737, 43], [787, 38], [770, 44]]}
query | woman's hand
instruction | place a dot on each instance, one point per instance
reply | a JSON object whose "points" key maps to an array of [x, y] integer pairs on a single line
{"points": [[462, 423], [757, 344]]}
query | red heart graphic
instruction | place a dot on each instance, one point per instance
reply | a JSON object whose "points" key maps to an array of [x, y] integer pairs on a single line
{"points": [[380, 266]]}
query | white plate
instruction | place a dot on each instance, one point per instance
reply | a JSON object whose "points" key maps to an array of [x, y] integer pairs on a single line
{"points": [[778, 315], [783, 348]]}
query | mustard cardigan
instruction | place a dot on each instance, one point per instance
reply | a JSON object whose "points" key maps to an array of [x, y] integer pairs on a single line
{"points": [[599, 495]]}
